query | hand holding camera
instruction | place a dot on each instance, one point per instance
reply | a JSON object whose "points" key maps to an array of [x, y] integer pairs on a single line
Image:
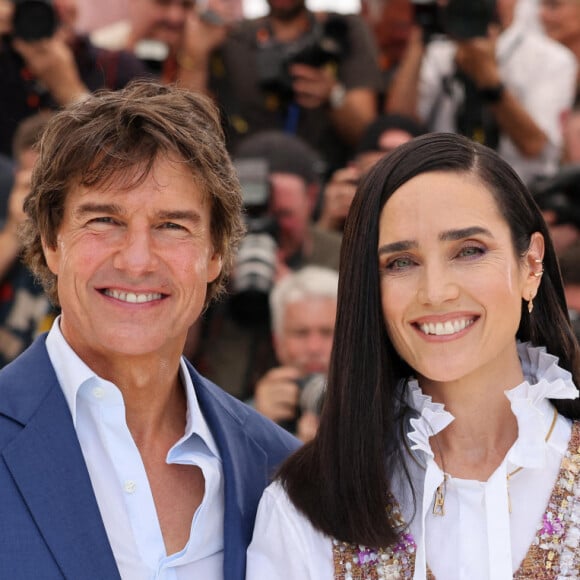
{"points": [[205, 30], [312, 86], [277, 394], [52, 62], [42, 43], [337, 197], [476, 58]]}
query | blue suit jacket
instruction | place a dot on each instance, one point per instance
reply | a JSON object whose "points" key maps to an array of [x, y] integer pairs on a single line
{"points": [[50, 524]]}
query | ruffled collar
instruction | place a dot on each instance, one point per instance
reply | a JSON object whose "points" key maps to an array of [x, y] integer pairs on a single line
{"points": [[543, 380]]}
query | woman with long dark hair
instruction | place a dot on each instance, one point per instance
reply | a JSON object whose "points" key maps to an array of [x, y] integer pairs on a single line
{"points": [[447, 445]]}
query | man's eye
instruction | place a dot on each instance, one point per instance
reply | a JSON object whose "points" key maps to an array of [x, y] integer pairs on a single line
{"points": [[102, 220], [172, 226]]}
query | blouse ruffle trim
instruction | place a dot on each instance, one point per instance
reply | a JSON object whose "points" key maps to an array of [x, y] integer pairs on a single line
{"points": [[544, 380]]}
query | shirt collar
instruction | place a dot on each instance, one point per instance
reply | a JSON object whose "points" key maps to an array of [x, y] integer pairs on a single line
{"points": [[72, 373]]}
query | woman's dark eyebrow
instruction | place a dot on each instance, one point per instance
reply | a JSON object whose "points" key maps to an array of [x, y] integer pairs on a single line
{"points": [[401, 246], [453, 235], [448, 236]]}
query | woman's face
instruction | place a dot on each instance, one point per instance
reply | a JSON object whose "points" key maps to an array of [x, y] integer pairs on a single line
{"points": [[451, 284]]}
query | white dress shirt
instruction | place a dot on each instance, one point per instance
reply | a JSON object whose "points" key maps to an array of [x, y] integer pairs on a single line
{"points": [[477, 538], [120, 482]]}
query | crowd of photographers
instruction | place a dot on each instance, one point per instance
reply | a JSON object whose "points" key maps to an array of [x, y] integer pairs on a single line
{"points": [[309, 102]]}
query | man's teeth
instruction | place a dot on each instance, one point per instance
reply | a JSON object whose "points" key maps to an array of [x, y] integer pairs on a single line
{"points": [[445, 328], [133, 297]]}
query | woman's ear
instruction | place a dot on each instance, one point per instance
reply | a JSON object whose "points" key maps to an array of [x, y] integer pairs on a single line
{"points": [[533, 266]]}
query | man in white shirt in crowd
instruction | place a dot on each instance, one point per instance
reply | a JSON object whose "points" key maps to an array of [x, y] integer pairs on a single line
{"points": [[118, 459], [505, 85]]}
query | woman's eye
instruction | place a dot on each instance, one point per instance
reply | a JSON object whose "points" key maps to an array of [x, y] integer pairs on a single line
{"points": [[399, 263], [471, 252]]}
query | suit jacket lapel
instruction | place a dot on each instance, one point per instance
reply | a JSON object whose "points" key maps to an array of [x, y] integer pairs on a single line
{"points": [[245, 472], [48, 467]]}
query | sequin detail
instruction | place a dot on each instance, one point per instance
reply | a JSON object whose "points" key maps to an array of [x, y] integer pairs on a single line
{"points": [[553, 555], [555, 552], [355, 562]]}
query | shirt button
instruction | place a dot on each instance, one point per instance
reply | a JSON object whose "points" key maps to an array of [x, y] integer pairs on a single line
{"points": [[130, 486], [98, 392]]}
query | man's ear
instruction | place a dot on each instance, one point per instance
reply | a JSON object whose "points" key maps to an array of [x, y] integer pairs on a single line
{"points": [[214, 267], [52, 257]]}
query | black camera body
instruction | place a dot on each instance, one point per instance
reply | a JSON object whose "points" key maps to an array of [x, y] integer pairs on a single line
{"points": [[34, 20], [458, 19], [326, 42], [255, 265], [560, 193]]}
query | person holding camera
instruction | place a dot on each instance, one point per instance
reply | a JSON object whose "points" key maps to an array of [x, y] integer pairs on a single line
{"points": [[380, 138], [234, 347], [45, 63], [314, 75], [490, 78], [303, 313]]}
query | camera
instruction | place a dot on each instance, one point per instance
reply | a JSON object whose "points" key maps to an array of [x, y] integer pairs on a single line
{"points": [[34, 20], [255, 265], [457, 19], [312, 390], [560, 193], [326, 42]]}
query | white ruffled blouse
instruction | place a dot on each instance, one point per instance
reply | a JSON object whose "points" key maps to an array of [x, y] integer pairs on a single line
{"points": [[477, 537]]}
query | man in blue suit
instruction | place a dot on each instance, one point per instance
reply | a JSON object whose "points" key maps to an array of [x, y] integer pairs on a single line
{"points": [[117, 459]]}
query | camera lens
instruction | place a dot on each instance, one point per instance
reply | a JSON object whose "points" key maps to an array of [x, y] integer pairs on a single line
{"points": [[34, 20]]}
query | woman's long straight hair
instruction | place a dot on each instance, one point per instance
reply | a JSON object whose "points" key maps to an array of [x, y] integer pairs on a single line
{"points": [[341, 480]]}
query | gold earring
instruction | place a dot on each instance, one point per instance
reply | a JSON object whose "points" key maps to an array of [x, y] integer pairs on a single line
{"points": [[538, 274], [530, 304]]}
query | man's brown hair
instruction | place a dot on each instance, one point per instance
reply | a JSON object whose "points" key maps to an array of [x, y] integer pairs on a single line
{"points": [[116, 136]]}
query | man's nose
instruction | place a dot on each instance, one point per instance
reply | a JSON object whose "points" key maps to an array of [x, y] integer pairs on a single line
{"points": [[136, 254]]}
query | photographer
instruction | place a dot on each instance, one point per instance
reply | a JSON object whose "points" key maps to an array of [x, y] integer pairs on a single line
{"points": [[498, 83], [313, 75], [558, 197], [303, 309], [45, 64], [235, 344]]}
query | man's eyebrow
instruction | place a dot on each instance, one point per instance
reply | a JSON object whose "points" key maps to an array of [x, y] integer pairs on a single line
{"points": [[112, 208], [93, 207], [179, 215], [447, 236]]}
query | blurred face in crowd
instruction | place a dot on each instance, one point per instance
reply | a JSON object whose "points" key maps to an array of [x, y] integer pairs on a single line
{"points": [[161, 20], [291, 206], [6, 9], [388, 141], [286, 9], [505, 11], [305, 340], [67, 12], [561, 20]]}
